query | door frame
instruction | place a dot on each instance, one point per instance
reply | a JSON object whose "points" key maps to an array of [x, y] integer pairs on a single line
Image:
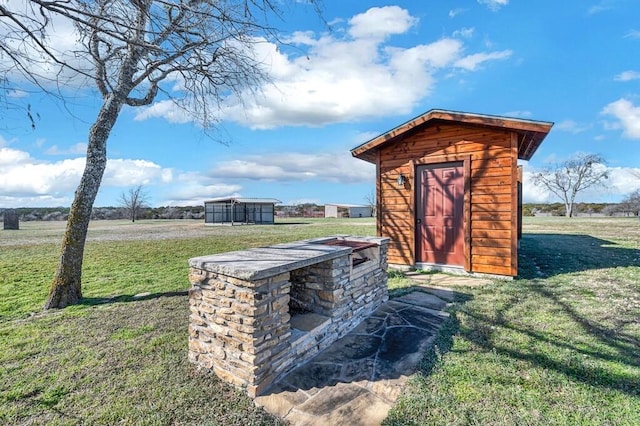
{"points": [[466, 203]]}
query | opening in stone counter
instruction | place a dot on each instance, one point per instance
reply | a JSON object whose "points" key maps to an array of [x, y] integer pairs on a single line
{"points": [[317, 291], [363, 251], [308, 305]]}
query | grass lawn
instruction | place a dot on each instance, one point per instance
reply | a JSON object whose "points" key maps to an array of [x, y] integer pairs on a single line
{"points": [[558, 345]]}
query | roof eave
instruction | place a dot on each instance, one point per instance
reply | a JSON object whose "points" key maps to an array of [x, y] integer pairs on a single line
{"points": [[531, 132]]}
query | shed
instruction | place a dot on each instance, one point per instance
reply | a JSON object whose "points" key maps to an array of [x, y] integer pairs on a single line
{"points": [[239, 210], [353, 210], [449, 189]]}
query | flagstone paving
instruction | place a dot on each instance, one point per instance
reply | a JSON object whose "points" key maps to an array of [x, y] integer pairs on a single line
{"points": [[358, 378]]}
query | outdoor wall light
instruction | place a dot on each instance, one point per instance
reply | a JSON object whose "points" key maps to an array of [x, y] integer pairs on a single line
{"points": [[401, 180]]}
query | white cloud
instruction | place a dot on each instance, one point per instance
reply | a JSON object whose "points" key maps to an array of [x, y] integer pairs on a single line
{"points": [[518, 113], [455, 12], [12, 157], [633, 34], [343, 75], [471, 62], [29, 177], [532, 193], [79, 148], [163, 109], [381, 22], [628, 117], [34, 201], [16, 94], [194, 189], [328, 167], [494, 4], [598, 8], [572, 126], [438, 54], [623, 180], [124, 173], [347, 80], [26, 181], [464, 32], [627, 76]]}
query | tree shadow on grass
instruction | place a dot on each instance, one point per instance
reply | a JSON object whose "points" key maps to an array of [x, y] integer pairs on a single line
{"points": [[126, 298], [444, 340], [547, 255], [564, 322], [595, 355]]}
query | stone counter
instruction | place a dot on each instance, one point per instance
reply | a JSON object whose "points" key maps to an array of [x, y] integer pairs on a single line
{"points": [[242, 302]]}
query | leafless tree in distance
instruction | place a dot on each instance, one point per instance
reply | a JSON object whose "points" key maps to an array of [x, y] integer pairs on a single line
{"points": [[133, 201], [191, 52], [569, 178], [631, 203], [371, 202]]}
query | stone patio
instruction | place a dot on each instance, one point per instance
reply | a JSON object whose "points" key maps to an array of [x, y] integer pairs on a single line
{"points": [[358, 378]]}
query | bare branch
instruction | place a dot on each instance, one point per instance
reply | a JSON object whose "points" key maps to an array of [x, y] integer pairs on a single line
{"points": [[192, 52]]}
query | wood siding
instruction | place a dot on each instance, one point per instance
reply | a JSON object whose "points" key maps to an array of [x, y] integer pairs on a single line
{"points": [[490, 156]]}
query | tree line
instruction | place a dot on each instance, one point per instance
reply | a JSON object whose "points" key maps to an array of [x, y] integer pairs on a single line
{"points": [[111, 213], [625, 208], [630, 206]]}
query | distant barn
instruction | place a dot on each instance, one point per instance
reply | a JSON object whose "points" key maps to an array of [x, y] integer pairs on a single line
{"points": [[235, 210], [449, 189], [351, 210]]}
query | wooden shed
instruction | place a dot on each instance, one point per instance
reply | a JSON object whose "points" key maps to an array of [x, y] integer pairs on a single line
{"points": [[236, 210], [449, 189]]}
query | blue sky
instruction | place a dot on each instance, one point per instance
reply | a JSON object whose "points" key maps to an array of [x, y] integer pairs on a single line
{"points": [[376, 65]]}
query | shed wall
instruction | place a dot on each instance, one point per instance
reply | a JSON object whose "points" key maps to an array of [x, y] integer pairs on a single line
{"points": [[359, 211], [330, 210], [491, 201], [226, 212]]}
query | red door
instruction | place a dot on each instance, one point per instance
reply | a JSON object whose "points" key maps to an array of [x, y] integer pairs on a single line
{"points": [[440, 208]]}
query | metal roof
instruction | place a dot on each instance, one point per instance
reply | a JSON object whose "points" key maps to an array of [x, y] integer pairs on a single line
{"points": [[530, 133], [244, 200]]}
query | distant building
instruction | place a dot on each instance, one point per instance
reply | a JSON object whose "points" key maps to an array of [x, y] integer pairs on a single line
{"points": [[11, 219], [230, 210], [351, 210]]}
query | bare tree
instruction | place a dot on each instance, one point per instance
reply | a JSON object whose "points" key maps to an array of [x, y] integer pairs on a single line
{"points": [[569, 178], [191, 52], [631, 203], [371, 202], [134, 200]]}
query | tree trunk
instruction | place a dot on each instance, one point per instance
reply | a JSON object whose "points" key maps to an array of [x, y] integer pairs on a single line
{"points": [[66, 288], [568, 206]]}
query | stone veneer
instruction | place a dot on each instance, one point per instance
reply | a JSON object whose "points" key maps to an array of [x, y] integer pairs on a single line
{"points": [[241, 306]]}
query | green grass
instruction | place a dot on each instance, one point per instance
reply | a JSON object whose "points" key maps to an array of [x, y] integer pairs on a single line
{"points": [[123, 259], [116, 358], [558, 345]]}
